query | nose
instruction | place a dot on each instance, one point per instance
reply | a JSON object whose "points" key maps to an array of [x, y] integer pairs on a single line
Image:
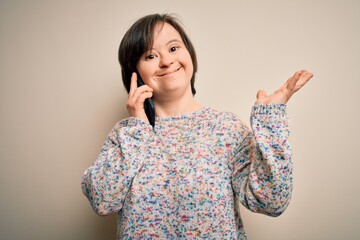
{"points": [[166, 60]]}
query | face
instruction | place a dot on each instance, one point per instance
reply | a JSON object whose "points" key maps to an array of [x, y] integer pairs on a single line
{"points": [[167, 67]]}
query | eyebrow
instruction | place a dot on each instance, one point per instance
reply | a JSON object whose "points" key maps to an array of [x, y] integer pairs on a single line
{"points": [[173, 41]]}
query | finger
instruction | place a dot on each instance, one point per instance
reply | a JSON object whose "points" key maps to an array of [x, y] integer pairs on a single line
{"points": [[291, 83], [286, 83], [140, 90], [305, 77], [261, 94], [133, 83], [141, 99], [290, 86], [136, 103]]}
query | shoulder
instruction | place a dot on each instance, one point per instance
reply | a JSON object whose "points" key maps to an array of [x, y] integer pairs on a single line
{"points": [[129, 122], [119, 125], [130, 129], [127, 125]]}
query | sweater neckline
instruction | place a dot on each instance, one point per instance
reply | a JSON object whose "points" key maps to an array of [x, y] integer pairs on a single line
{"points": [[183, 116]]}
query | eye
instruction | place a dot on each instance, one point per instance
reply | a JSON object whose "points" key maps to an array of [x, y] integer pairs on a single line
{"points": [[174, 48], [150, 56]]}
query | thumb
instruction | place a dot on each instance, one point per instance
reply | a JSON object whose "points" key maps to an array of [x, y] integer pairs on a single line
{"points": [[261, 94]]}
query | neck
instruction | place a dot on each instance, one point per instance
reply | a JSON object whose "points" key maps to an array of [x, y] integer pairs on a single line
{"points": [[168, 107]]}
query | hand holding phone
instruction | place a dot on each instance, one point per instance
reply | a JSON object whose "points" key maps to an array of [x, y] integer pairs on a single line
{"points": [[148, 104]]}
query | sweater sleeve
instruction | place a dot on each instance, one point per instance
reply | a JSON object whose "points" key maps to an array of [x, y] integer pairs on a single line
{"points": [[262, 167], [109, 179]]}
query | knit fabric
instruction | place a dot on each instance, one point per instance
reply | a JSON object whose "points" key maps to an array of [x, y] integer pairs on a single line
{"points": [[186, 178]]}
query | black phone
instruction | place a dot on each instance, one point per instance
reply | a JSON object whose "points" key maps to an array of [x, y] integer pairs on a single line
{"points": [[148, 104]]}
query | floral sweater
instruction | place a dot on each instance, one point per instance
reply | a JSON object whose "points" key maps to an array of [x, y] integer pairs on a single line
{"points": [[185, 178]]}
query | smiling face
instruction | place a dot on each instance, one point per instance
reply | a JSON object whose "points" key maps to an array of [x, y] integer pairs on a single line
{"points": [[167, 67]]}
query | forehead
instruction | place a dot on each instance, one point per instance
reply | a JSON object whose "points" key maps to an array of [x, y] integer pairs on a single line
{"points": [[163, 33]]}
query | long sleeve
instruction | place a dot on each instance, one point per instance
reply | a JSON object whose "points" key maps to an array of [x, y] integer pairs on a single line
{"points": [[107, 182], [262, 165]]}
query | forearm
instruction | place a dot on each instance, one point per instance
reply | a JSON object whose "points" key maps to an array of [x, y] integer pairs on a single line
{"points": [[267, 176]]}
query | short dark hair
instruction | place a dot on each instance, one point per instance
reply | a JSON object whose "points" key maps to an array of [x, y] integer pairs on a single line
{"points": [[139, 39]]}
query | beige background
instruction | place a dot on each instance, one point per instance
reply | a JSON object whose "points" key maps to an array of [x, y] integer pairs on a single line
{"points": [[61, 92]]}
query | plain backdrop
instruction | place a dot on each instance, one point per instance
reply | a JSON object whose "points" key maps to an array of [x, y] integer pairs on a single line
{"points": [[61, 93]]}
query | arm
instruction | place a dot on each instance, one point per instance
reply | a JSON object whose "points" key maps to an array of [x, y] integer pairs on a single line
{"points": [[262, 176], [262, 167], [109, 179]]}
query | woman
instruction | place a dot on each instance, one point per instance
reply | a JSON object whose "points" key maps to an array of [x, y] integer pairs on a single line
{"points": [[185, 177]]}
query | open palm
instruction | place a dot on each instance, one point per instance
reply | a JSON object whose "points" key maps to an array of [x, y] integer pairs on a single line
{"points": [[284, 93]]}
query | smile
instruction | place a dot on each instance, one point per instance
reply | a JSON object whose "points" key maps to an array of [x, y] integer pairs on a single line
{"points": [[168, 73]]}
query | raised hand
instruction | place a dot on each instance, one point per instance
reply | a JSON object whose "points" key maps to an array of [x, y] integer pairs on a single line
{"points": [[284, 93], [136, 99]]}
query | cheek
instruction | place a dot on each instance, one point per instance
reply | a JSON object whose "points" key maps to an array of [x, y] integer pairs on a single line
{"points": [[190, 66], [145, 69], [188, 58]]}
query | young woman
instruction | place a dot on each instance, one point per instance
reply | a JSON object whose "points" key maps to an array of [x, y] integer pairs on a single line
{"points": [[185, 177]]}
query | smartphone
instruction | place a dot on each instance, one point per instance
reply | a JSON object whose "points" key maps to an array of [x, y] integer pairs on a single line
{"points": [[148, 104]]}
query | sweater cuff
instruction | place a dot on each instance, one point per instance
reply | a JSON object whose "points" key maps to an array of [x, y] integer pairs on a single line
{"points": [[269, 109]]}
